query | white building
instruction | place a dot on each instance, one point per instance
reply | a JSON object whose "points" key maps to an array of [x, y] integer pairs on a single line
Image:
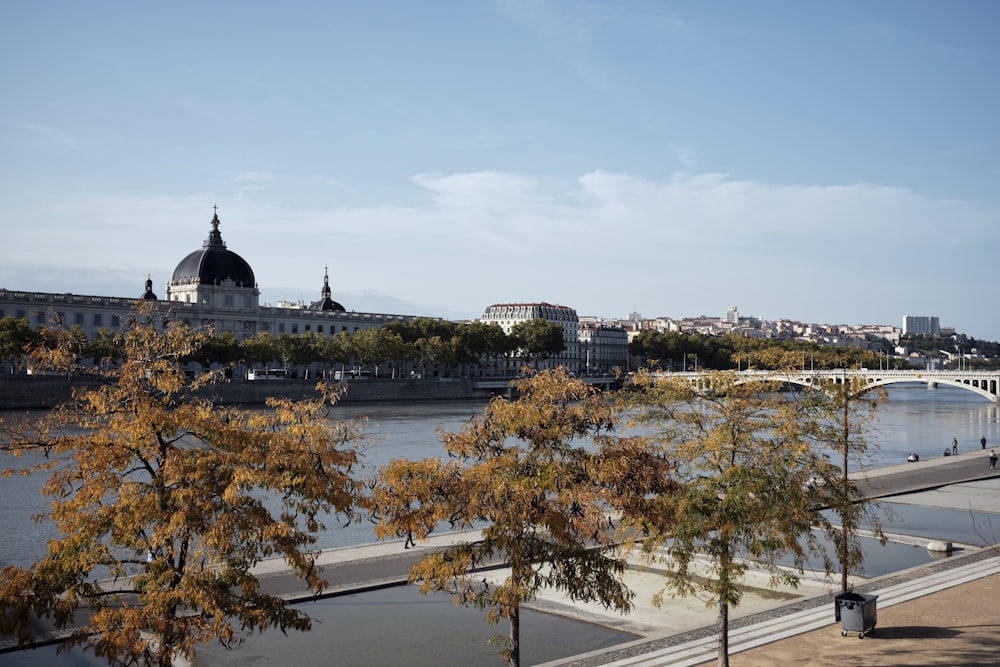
{"points": [[506, 315], [921, 324]]}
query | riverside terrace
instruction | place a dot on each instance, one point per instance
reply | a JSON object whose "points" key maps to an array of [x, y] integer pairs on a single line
{"points": [[381, 565]]}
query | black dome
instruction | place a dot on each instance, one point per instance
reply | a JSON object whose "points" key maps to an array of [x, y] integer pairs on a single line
{"points": [[214, 263]]}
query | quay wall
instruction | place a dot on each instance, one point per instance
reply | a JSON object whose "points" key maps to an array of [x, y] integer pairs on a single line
{"points": [[19, 392]]}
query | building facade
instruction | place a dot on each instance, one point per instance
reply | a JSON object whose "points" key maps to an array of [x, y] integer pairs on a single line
{"points": [[212, 288], [921, 324], [603, 348], [506, 315]]}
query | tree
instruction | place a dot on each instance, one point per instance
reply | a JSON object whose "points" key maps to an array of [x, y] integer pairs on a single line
{"points": [[539, 338], [175, 500], [16, 335], [106, 348], [335, 350], [843, 414], [260, 349], [58, 349], [521, 470], [745, 460], [217, 348], [376, 346]]}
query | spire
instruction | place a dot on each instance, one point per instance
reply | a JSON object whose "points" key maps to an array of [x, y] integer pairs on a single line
{"points": [[149, 290], [326, 293], [327, 302], [215, 237]]}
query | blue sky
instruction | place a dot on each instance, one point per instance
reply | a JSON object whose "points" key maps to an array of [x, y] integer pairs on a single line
{"points": [[828, 162]]}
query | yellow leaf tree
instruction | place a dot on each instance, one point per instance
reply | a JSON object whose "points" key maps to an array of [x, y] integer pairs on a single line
{"points": [[534, 474], [745, 456], [164, 502]]}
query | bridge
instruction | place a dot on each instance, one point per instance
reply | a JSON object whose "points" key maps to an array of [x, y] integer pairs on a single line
{"points": [[984, 383]]}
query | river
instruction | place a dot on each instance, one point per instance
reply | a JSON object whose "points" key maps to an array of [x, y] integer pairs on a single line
{"points": [[382, 628]]}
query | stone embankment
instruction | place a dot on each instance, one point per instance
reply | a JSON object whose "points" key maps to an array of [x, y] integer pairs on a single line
{"points": [[28, 392]]}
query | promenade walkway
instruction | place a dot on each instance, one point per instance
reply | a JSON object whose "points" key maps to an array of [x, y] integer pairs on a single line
{"points": [[943, 613]]}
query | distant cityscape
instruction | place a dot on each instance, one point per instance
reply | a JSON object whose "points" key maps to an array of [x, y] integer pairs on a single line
{"points": [[214, 288]]}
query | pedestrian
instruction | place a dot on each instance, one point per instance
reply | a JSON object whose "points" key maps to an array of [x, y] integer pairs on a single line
{"points": [[982, 441], [954, 445], [993, 459]]}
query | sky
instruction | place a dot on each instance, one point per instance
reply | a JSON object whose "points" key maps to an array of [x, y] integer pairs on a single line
{"points": [[828, 162]]}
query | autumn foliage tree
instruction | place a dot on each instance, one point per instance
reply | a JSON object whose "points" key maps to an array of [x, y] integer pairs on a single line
{"points": [[745, 456], [165, 502], [531, 474], [844, 412]]}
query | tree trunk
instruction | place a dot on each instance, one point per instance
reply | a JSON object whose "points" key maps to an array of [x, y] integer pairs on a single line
{"points": [[843, 522], [723, 633], [514, 651]]}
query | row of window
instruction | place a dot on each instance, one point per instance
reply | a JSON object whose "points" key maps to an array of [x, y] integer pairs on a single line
{"points": [[78, 319], [113, 320], [227, 300]]}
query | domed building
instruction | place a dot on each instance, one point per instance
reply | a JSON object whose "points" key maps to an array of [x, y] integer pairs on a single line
{"points": [[211, 288], [214, 276]]}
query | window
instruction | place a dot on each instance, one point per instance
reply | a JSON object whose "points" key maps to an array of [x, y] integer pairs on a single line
{"points": [[40, 317], [281, 327], [78, 319], [98, 320], [319, 327], [116, 320], [228, 300], [295, 328]]}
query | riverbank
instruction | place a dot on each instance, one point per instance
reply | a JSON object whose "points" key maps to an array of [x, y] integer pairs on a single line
{"points": [[27, 392]]}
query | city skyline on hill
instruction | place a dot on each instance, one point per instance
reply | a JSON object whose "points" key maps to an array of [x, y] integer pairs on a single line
{"points": [[830, 163]]}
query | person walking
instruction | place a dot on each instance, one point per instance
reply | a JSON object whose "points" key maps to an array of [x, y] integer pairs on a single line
{"points": [[954, 446], [993, 459], [982, 441]]}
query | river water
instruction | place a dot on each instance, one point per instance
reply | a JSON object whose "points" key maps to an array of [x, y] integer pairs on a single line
{"points": [[398, 626]]}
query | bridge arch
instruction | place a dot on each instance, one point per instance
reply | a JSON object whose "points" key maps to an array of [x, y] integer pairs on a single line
{"points": [[983, 383]]}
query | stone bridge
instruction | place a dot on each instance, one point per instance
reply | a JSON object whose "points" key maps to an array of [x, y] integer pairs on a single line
{"points": [[984, 383]]}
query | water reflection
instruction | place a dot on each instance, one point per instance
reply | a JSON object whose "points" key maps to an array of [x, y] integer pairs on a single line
{"points": [[390, 627]]}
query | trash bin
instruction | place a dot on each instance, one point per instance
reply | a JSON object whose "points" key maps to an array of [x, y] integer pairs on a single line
{"points": [[856, 612]]}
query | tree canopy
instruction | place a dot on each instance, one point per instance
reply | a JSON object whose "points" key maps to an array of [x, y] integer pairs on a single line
{"points": [[164, 503], [529, 473], [747, 463]]}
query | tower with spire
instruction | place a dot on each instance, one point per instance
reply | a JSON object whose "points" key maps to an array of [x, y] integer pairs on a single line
{"points": [[326, 301]]}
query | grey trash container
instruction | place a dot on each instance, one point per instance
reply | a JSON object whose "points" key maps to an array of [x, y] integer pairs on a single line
{"points": [[856, 612]]}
